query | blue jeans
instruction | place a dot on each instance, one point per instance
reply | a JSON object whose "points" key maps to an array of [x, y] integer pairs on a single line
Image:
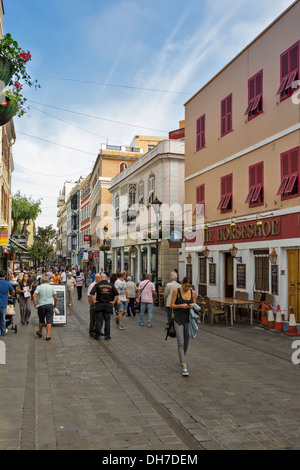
{"points": [[2, 320], [143, 307]]}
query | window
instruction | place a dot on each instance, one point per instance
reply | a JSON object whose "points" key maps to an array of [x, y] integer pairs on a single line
{"points": [[256, 180], [261, 270], [123, 165], [225, 204], [200, 197], [226, 115], [151, 185], [202, 270], [290, 169], [117, 205], [255, 95], [289, 71], [200, 131], [141, 193], [132, 194]]}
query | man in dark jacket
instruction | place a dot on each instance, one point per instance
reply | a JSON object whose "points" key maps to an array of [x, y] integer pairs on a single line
{"points": [[106, 296]]}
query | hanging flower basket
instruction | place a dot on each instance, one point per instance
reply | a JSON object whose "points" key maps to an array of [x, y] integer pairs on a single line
{"points": [[104, 248], [6, 71], [13, 74], [8, 110]]}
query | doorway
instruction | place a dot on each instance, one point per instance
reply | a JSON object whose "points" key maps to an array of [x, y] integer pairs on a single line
{"points": [[228, 275], [294, 281]]}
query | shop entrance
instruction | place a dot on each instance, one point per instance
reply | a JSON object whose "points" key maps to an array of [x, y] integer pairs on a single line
{"points": [[228, 275], [294, 281]]}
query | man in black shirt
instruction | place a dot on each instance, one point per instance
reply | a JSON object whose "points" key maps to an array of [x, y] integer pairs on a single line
{"points": [[106, 297]]}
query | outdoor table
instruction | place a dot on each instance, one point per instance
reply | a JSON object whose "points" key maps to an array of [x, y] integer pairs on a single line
{"points": [[233, 303]]}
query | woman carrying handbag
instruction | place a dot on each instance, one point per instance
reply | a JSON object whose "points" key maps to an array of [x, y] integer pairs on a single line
{"points": [[182, 300], [24, 290]]}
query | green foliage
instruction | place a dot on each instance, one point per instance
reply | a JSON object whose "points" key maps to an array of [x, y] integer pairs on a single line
{"points": [[43, 244], [23, 210]]}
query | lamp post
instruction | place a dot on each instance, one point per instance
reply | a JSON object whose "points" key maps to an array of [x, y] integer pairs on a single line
{"points": [[104, 230], [233, 251], [156, 204]]}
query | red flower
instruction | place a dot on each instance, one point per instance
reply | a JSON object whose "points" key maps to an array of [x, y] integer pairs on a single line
{"points": [[4, 104], [25, 55]]}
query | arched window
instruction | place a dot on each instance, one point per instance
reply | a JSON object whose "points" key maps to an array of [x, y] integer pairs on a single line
{"points": [[123, 165]]}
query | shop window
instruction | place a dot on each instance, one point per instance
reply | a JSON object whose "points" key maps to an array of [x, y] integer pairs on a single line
{"points": [[262, 263]]}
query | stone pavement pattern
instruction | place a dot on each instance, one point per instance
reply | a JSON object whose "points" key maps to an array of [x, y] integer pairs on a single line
{"points": [[128, 394]]}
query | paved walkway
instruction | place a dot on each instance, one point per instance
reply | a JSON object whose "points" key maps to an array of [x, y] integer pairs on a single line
{"points": [[128, 394]]}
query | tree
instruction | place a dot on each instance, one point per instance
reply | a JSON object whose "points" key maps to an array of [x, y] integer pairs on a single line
{"points": [[43, 244], [23, 210]]}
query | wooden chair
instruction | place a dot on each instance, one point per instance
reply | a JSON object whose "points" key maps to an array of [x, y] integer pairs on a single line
{"points": [[204, 312], [244, 309], [256, 305], [215, 311]]}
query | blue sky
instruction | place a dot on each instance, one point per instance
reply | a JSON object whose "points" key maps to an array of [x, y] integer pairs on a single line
{"points": [[166, 45]]}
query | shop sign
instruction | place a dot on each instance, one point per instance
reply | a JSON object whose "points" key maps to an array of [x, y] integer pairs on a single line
{"points": [[3, 236], [267, 229]]}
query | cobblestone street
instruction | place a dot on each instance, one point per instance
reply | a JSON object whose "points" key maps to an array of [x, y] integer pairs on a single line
{"points": [[128, 393]]}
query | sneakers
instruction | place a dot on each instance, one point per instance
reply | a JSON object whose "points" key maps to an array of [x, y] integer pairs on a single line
{"points": [[184, 372], [121, 327]]}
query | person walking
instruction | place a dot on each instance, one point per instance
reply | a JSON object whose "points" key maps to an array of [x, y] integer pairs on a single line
{"points": [[105, 295], [6, 291], [146, 295], [131, 292], [47, 303], [92, 306], [56, 278], [63, 277], [24, 290], [70, 286], [79, 284], [120, 286], [173, 284], [182, 300]]}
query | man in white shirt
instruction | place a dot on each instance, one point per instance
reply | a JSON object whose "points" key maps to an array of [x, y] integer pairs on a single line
{"points": [[168, 294], [122, 303]]}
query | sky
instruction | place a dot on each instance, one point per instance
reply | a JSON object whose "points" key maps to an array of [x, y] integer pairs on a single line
{"points": [[113, 69]]}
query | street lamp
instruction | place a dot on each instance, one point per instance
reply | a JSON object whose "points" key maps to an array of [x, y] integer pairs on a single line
{"points": [[273, 257], [156, 204], [233, 251], [104, 230], [206, 252]]}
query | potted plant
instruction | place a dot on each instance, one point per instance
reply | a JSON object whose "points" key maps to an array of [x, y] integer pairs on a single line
{"points": [[13, 75]]}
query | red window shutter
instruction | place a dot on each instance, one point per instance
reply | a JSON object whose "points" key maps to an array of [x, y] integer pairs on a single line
{"points": [[229, 113], [259, 173], [226, 192], [294, 58], [226, 115], [223, 117], [284, 71], [200, 133], [255, 89]]}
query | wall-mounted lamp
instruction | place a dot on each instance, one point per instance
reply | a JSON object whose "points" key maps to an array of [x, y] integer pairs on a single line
{"points": [[273, 256], [233, 251], [189, 258], [259, 223], [206, 252]]}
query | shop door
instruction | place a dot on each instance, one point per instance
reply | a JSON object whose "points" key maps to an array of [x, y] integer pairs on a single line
{"points": [[228, 275], [294, 281]]}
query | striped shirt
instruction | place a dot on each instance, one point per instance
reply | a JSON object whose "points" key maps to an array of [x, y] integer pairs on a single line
{"points": [[79, 281], [147, 296]]}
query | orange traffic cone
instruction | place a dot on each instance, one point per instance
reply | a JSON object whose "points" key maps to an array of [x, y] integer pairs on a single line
{"points": [[271, 319], [278, 321], [264, 316], [293, 330]]}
